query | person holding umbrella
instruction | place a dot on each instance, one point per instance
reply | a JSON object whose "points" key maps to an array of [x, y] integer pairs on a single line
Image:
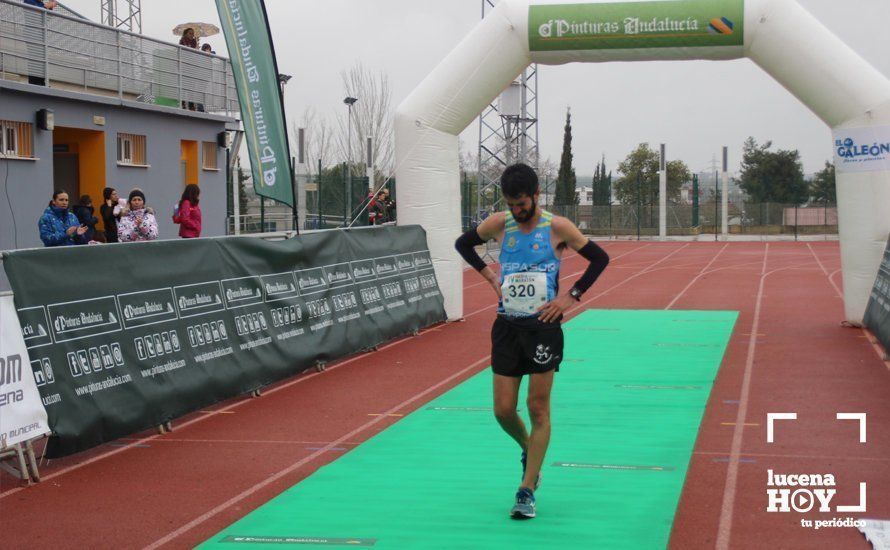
{"points": [[189, 39], [191, 33]]}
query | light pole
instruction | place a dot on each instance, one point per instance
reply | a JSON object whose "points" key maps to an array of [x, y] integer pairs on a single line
{"points": [[347, 196], [282, 81]]}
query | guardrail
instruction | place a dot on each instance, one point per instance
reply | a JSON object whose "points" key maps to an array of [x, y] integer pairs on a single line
{"points": [[276, 222], [79, 55]]}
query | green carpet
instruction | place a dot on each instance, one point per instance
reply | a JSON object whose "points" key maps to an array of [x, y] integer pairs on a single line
{"points": [[627, 405]]}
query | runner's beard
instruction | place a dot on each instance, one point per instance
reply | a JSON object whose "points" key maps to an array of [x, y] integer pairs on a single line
{"points": [[526, 215]]}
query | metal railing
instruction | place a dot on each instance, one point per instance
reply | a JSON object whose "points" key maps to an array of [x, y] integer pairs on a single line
{"points": [[257, 223], [80, 55]]}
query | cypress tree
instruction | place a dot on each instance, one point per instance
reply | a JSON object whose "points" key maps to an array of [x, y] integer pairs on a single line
{"points": [[565, 179]]}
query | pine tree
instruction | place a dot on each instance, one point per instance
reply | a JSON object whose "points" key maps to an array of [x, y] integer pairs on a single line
{"points": [[602, 185], [565, 178]]}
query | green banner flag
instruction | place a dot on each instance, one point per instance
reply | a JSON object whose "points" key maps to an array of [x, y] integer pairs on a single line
{"points": [[256, 78], [635, 25]]}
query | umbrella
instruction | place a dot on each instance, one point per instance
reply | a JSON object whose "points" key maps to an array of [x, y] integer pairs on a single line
{"points": [[201, 29]]}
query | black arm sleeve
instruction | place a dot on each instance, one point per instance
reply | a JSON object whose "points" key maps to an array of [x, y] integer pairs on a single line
{"points": [[464, 246], [598, 261]]}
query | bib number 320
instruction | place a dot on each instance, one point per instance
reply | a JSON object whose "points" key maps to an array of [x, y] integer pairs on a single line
{"points": [[524, 293], [521, 291]]}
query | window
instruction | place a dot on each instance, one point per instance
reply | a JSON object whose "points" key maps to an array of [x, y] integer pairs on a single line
{"points": [[131, 149], [209, 155], [15, 139]]}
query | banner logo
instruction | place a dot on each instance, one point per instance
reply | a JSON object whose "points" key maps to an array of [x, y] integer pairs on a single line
{"points": [[806, 492], [862, 149], [720, 26], [634, 25]]}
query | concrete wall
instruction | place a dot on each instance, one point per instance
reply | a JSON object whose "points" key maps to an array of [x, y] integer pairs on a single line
{"points": [[29, 184]]}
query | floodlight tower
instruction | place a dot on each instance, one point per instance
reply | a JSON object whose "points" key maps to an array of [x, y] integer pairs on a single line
{"points": [[508, 133], [123, 14]]}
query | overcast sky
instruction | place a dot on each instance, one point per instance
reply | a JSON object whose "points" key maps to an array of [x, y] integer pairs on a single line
{"points": [[693, 107]]}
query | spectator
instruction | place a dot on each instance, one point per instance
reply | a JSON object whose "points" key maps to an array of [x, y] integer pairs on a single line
{"points": [[84, 212], [188, 214], [58, 226], [188, 39], [207, 48], [377, 209], [138, 223], [110, 211], [371, 203], [389, 207]]}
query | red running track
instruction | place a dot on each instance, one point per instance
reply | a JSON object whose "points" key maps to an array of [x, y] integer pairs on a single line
{"points": [[788, 353]]}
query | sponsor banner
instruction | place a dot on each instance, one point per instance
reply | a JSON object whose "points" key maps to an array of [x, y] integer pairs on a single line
{"points": [[22, 415], [862, 149], [877, 313], [168, 327], [635, 25], [255, 70]]}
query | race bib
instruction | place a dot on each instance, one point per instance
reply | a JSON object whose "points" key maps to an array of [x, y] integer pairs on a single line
{"points": [[524, 293]]}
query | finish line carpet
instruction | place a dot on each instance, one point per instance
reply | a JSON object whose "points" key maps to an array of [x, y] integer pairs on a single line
{"points": [[627, 404]]}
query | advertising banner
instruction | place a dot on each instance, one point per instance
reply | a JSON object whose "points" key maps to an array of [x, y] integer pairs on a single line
{"points": [[862, 149], [22, 415], [164, 328], [877, 313], [256, 79], [635, 25]]}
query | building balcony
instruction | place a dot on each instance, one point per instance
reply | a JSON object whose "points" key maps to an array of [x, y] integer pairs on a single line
{"points": [[60, 50]]}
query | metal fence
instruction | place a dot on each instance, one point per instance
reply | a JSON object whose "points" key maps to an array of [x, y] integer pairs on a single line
{"points": [[257, 223], [335, 210], [683, 219], [68, 52]]}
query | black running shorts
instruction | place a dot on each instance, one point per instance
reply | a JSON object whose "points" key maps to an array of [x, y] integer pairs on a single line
{"points": [[517, 350]]}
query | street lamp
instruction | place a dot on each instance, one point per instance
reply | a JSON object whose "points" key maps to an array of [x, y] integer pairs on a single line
{"points": [[283, 79], [347, 197]]}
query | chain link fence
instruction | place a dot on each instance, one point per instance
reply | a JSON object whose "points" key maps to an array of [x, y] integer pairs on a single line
{"points": [[684, 220]]}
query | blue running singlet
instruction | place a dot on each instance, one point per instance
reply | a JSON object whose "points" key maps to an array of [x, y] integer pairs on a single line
{"points": [[529, 268]]}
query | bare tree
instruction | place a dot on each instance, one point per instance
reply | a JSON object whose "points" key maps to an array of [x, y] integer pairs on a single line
{"points": [[372, 116], [467, 159], [319, 139]]}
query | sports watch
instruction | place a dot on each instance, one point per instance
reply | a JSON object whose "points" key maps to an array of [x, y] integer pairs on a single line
{"points": [[576, 294]]}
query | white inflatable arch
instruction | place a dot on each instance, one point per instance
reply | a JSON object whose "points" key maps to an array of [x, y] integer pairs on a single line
{"points": [[847, 93]]}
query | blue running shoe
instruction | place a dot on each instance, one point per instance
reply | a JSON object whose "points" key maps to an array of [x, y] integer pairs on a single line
{"points": [[525, 505], [523, 459]]}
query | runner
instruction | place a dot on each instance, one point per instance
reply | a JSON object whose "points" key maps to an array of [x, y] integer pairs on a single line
{"points": [[526, 338]]}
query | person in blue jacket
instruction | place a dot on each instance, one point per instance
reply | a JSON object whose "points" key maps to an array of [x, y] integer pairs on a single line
{"points": [[58, 226]]}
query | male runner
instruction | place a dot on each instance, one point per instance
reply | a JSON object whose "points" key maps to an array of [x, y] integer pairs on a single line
{"points": [[526, 337]]}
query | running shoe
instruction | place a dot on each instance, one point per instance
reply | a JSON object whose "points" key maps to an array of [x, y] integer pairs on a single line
{"points": [[525, 505]]}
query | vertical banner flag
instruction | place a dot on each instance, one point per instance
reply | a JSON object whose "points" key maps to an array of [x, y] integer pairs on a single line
{"points": [[22, 415], [256, 79]]}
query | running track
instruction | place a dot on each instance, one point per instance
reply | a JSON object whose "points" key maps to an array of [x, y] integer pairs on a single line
{"points": [[788, 353]]}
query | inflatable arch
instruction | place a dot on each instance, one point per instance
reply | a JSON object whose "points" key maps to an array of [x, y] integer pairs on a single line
{"points": [[786, 41]]}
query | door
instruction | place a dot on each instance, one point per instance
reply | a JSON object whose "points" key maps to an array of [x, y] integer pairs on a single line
{"points": [[66, 175]]}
